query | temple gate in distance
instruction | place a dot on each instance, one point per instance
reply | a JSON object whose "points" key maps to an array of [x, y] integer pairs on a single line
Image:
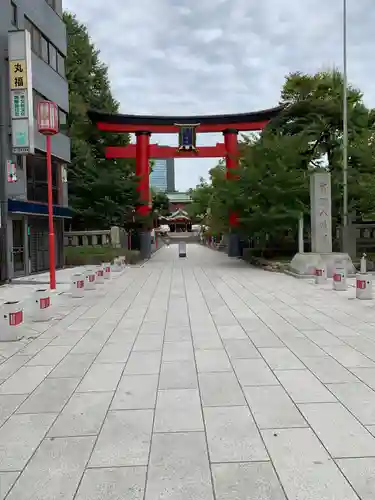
{"points": [[187, 128]]}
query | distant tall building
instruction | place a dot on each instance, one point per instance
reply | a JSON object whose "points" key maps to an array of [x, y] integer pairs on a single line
{"points": [[162, 175], [171, 188]]}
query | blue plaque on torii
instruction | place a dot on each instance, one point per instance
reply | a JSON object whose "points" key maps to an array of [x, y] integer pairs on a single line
{"points": [[187, 137]]}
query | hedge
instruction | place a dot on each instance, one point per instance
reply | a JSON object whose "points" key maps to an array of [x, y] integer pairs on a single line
{"points": [[82, 256]]}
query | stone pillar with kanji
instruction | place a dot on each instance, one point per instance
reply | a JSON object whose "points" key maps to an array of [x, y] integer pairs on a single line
{"points": [[321, 253], [321, 212]]}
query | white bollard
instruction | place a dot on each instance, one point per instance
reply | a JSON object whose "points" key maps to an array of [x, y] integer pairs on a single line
{"points": [[42, 310], [363, 289], [78, 285], [11, 321], [117, 266], [339, 277], [100, 275], [363, 268], [107, 271], [182, 249], [320, 274], [90, 279]]}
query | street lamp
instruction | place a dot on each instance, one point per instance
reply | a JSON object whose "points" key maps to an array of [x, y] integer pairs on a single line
{"points": [[48, 125], [345, 133]]}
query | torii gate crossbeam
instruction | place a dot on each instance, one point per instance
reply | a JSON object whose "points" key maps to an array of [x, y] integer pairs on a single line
{"points": [[187, 127]]}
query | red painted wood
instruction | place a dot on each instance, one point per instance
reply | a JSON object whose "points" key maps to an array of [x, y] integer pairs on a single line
{"points": [[141, 150], [172, 129], [231, 160], [156, 151], [232, 153]]}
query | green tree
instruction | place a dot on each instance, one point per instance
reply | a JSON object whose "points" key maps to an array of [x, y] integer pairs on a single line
{"points": [[314, 111], [272, 185], [102, 192], [269, 192], [160, 203], [200, 201]]}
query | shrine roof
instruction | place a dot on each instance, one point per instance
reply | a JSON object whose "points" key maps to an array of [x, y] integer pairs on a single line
{"points": [[179, 214], [163, 121], [179, 197]]}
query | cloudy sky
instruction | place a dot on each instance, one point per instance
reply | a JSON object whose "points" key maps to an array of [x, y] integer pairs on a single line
{"points": [[222, 56]]}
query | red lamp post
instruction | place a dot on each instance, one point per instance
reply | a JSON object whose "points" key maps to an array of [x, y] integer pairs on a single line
{"points": [[48, 125]]}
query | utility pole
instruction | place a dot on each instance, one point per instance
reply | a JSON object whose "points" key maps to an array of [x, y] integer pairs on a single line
{"points": [[4, 136], [345, 234]]}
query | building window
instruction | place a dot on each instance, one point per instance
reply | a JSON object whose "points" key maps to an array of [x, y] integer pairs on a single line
{"points": [[44, 49], [35, 36], [63, 117], [28, 25], [53, 56], [14, 19], [52, 3], [60, 64], [63, 122], [37, 185], [36, 100], [36, 42]]}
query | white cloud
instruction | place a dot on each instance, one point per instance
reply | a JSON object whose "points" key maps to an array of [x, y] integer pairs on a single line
{"points": [[211, 56]]}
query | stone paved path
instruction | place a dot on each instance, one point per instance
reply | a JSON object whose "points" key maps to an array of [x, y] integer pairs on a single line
{"points": [[193, 379]]}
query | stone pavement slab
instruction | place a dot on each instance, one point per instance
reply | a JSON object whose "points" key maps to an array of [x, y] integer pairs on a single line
{"points": [[197, 378]]}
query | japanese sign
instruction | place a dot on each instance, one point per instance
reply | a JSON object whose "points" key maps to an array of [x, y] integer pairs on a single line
{"points": [[21, 97], [11, 171], [19, 104], [18, 74], [324, 209], [20, 136], [187, 137], [321, 216]]}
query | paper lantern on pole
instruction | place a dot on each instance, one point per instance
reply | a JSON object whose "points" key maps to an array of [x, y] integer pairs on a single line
{"points": [[48, 118], [48, 125]]}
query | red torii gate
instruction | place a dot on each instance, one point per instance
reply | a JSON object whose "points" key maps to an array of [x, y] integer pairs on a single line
{"points": [[187, 127]]}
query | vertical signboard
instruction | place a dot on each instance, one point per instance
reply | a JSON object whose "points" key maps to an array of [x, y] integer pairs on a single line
{"points": [[11, 171], [21, 92], [321, 212]]}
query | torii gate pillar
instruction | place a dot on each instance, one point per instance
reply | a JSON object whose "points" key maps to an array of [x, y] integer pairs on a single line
{"points": [[142, 171], [231, 160]]}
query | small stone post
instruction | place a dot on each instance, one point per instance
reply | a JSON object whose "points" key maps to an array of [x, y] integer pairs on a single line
{"points": [[301, 245], [115, 237]]}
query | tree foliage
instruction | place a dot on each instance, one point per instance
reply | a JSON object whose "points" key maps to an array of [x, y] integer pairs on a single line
{"points": [[200, 201], [272, 185], [160, 203], [101, 192], [315, 113]]}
